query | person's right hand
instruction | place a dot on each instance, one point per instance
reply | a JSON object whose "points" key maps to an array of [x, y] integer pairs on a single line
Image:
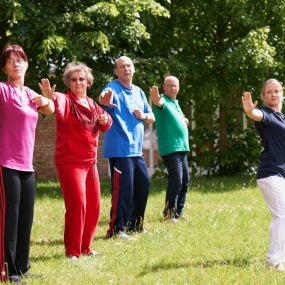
{"points": [[247, 103], [154, 95], [46, 89], [105, 98]]}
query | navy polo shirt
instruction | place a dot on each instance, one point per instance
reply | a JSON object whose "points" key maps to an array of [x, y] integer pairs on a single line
{"points": [[272, 132]]}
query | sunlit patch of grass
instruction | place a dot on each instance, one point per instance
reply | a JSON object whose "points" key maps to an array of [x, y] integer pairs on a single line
{"points": [[225, 241]]}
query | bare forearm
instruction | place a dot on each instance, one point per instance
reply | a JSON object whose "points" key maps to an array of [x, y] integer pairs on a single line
{"points": [[149, 118], [48, 109], [255, 115]]}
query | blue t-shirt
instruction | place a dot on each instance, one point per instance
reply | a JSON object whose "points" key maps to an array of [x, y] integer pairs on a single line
{"points": [[272, 132], [125, 137]]}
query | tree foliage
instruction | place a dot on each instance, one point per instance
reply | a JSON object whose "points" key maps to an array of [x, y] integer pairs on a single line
{"points": [[56, 32], [217, 48]]}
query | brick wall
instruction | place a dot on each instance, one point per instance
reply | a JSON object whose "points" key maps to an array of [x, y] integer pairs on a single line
{"points": [[44, 150]]}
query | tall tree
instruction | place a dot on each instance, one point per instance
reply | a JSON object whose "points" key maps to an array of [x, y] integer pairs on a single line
{"points": [[56, 32], [219, 48]]}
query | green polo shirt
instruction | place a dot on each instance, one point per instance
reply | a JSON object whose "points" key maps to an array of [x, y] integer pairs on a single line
{"points": [[171, 129]]}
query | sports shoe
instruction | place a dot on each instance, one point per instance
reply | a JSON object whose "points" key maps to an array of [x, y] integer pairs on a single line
{"points": [[28, 274], [93, 253], [124, 236], [170, 220], [183, 217], [15, 279], [73, 258], [173, 220]]}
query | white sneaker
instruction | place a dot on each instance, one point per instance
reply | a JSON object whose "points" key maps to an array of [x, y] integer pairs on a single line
{"points": [[73, 258], [124, 236], [93, 253], [170, 220]]}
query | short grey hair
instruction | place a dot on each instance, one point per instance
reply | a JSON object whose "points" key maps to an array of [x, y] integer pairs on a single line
{"points": [[74, 67]]}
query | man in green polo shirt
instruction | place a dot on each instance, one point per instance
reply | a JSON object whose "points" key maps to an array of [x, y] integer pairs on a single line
{"points": [[173, 144]]}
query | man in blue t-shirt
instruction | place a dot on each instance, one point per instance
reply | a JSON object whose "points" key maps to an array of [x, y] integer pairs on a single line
{"points": [[129, 109]]}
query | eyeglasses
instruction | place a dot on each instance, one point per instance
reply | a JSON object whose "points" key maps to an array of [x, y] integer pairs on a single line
{"points": [[172, 86], [14, 61], [80, 79]]}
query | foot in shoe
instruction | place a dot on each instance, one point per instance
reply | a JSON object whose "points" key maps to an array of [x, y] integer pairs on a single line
{"points": [[93, 253], [73, 258], [124, 236], [15, 279]]}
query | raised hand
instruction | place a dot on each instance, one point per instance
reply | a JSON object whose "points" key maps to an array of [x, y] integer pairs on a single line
{"points": [[250, 107], [247, 103], [46, 89], [105, 98], [154, 95]]}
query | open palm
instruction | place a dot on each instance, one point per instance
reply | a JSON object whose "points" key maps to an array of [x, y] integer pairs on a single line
{"points": [[247, 103]]}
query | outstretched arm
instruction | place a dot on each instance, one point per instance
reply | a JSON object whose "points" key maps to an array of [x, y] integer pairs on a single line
{"points": [[250, 108]]}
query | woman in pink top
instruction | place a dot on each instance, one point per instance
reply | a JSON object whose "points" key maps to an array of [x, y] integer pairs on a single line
{"points": [[78, 122], [19, 107]]}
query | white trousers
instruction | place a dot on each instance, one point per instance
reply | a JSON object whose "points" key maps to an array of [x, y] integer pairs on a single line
{"points": [[273, 191]]}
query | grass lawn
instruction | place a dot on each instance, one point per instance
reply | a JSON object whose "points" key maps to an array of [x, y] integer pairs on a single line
{"points": [[224, 243]]}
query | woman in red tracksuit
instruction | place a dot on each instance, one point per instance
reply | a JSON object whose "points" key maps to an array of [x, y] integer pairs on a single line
{"points": [[78, 121]]}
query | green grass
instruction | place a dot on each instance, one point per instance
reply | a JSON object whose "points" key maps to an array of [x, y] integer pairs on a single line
{"points": [[225, 243]]}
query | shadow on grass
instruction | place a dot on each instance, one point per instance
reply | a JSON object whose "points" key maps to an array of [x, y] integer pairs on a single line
{"points": [[48, 242], [220, 184], [163, 266], [202, 184], [46, 257]]}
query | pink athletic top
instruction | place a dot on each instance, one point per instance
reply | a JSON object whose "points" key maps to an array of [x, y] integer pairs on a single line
{"points": [[18, 119]]}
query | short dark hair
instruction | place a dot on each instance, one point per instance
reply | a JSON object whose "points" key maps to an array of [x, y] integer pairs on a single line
{"points": [[8, 50]]}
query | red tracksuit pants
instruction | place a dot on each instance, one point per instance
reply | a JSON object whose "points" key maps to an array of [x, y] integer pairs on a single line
{"points": [[80, 187]]}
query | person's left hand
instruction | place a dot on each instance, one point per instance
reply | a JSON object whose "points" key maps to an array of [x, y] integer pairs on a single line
{"points": [[139, 114], [41, 101], [103, 119]]}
